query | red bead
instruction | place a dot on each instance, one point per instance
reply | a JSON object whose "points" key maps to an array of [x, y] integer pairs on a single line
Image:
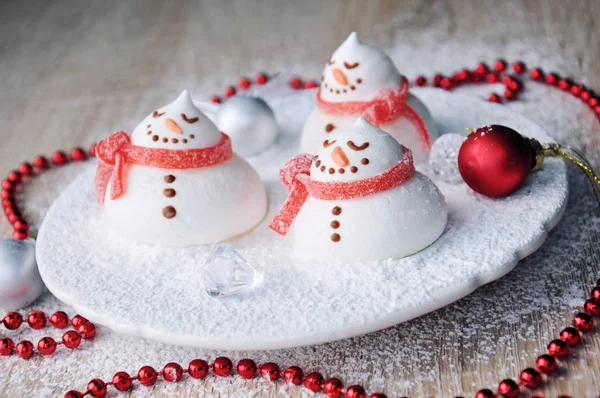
{"points": [[71, 339], [215, 100], [59, 320], [261, 78], [198, 369], [18, 235], [508, 388], [530, 378], [585, 96], [551, 79], [378, 395], [462, 76], [576, 89], [244, 83], [270, 371], [485, 393], [13, 218], [8, 193], [40, 162], [495, 160], [6, 346], [97, 388], [92, 150], [592, 307], [295, 83], [309, 84], [494, 98], [421, 81], [446, 83], [147, 375], [597, 109], [7, 185], [437, 78], [492, 78], [26, 169], [172, 372], [475, 78], [73, 394], [313, 381], [24, 349], [122, 381], [356, 392], [583, 322], [78, 154], [482, 69], [333, 388], [36, 319], [76, 321], [21, 226], [229, 92], [222, 366], [293, 375], [546, 364], [519, 67], [46, 346], [558, 348], [564, 84], [500, 65], [510, 94], [12, 320], [570, 336], [536, 74], [59, 158], [14, 176], [596, 293], [246, 368], [87, 330], [593, 101]]}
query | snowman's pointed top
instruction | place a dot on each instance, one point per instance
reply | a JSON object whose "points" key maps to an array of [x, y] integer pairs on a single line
{"points": [[184, 98], [352, 38]]}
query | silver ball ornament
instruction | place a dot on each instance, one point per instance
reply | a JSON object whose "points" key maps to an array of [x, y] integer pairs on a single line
{"points": [[249, 122], [20, 281], [443, 158]]}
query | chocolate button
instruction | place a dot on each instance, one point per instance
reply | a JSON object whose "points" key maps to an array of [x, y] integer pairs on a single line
{"points": [[169, 212], [169, 192], [335, 237], [169, 178]]}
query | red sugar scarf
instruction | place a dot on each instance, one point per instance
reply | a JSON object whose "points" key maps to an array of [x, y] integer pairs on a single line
{"points": [[116, 150], [295, 175], [386, 107]]}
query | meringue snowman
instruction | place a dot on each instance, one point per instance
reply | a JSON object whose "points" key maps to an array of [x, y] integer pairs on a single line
{"points": [[376, 205], [176, 181], [357, 75]]}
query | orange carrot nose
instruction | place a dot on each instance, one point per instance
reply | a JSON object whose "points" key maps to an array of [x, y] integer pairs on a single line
{"points": [[173, 126], [339, 157], [340, 76]]}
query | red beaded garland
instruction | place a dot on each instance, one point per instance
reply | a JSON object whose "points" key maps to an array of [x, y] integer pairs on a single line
{"points": [[172, 372], [485, 393], [261, 78], [244, 83], [78, 154], [87, 330], [246, 368], [500, 65], [71, 339], [24, 349], [558, 348], [333, 387], [97, 388], [12, 320], [546, 364], [551, 79], [270, 371], [229, 92], [122, 381], [46, 346], [592, 307], [59, 320], [570, 336], [481, 69], [7, 346], [26, 169], [492, 78], [356, 391], [583, 322], [536, 74], [313, 381], [293, 375], [41, 162], [519, 67], [76, 321], [198, 368], [508, 388], [295, 83], [530, 378], [147, 375], [59, 158], [420, 81], [14, 176], [36, 319], [222, 366]]}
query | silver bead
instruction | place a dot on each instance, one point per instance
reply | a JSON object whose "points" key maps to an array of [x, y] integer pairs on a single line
{"points": [[20, 282], [249, 122]]}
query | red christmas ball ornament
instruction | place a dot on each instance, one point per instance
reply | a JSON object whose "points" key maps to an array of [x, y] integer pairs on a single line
{"points": [[270, 371], [530, 378], [71, 339], [246, 368], [293, 375], [198, 368], [495, 160], [333, 388], [24, 349], [485, 393], [558, 348], [97, 388], [546, 364], [508, 388], [583, 322], [46, 346], [570, 336], [7, 346], [222, 367], [313, 381], [147, 375], [172, 372], [121, 381], [59, 320], [12, 320], [356, 392], [592, 307]]}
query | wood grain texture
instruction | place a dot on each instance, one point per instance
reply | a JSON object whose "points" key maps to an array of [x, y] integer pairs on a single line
{"points": [[72, 71]]}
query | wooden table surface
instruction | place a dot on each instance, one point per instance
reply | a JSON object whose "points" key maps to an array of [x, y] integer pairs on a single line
{"points": [[72, 71]]}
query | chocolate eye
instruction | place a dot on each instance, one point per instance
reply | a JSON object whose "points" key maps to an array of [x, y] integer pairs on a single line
{"points": [[355, 147], [330, 62], [192, 120], [155, 114], [327, 144], [350, 66]]}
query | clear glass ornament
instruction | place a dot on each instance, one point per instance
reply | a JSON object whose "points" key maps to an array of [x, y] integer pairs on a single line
{"points": [[227, 273]]}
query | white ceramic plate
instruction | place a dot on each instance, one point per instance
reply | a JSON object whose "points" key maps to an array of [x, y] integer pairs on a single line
{"points": [[157, 293]]}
